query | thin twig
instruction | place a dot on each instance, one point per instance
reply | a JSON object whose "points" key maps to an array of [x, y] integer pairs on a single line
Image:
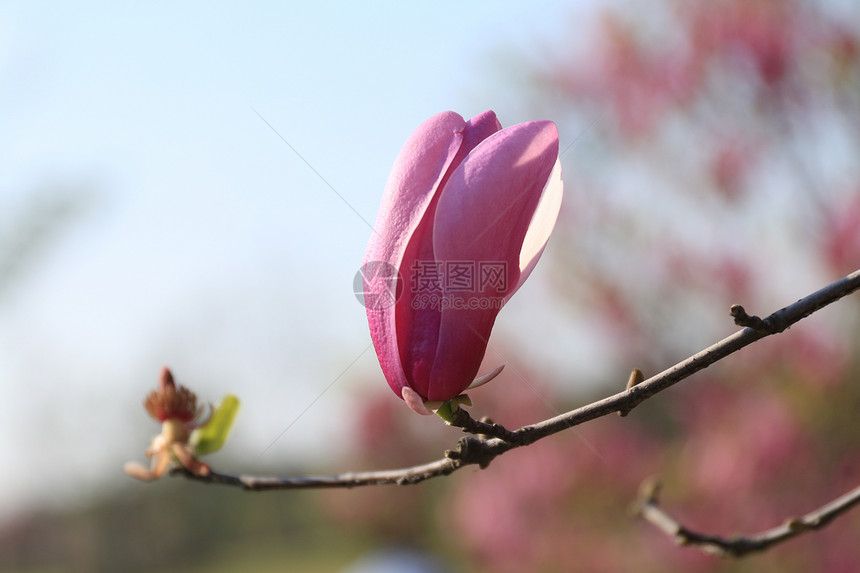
{"points": [[649, 509], [482, 450], [469, 451]]}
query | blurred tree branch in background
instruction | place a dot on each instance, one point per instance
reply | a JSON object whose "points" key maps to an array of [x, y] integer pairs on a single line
{"points": [[739, 545]]}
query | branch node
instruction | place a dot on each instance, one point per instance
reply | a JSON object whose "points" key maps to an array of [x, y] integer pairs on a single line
{"points": [[797, 525], [758, 324], [649, 490], [475, 451], [636, 377]]}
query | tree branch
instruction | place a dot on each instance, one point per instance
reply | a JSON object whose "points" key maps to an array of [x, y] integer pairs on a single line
{"points": [[469, 451], [738, 545], [493, 440]]}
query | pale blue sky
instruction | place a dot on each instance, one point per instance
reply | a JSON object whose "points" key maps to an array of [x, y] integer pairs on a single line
{"points": [[206, 243]]}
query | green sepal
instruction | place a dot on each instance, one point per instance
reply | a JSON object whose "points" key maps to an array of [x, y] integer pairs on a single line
{"points": [[211, 437], [448, 408]]}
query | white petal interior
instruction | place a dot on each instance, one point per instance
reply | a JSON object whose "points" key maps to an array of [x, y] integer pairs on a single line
{"points": [[542, 223]]}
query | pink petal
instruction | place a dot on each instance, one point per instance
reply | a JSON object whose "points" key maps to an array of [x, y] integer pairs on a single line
{"points": [[418, 325], [414, 179], [483, 215]]}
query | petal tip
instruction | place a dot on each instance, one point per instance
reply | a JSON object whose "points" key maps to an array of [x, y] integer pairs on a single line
{"points": [[481, 380], [414, 401]]}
